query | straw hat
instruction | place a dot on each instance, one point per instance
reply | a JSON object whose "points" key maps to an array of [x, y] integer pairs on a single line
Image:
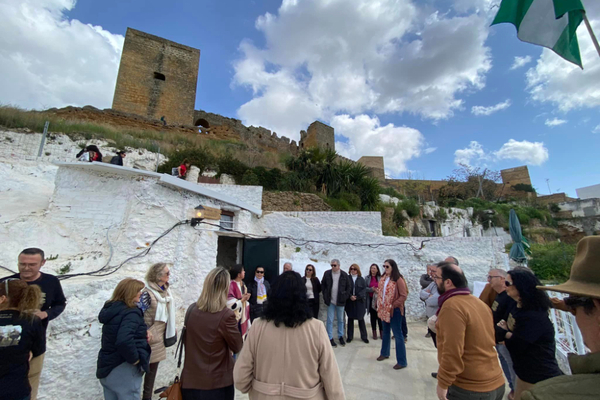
{"points": [[585, 271]]}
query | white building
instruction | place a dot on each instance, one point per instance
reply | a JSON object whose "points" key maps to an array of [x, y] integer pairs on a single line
{"points": [[100, 214], [589, 192]]}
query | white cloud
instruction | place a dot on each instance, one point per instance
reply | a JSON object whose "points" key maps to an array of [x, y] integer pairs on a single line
{"points": [[520, 62], [532, 153], [430, 150], [359, 56], [555, 122], [596, 129], [556, 81], [397, 144], [473, 154], [47, 60], [481, 110]]}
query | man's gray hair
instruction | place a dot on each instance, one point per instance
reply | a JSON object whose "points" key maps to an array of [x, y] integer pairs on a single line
{"points": [[499, 271], [454, 260], [288, 263], [335, 261]]}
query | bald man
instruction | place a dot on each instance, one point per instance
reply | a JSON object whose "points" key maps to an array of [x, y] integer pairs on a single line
{"points": [[287, 267]]}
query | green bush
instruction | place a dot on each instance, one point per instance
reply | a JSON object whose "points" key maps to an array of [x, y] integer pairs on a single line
{"points": [[412, 207], [523, 187], [554, 207], [392, 192], [250, 178], [552, 261], [351, 198], [340, 205], [229, 165], [441, 214], [197, 156]]}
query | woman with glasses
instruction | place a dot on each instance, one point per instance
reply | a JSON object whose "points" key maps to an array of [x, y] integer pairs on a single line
{"points": [[372, 282], [22, 336], [313, 289], [158, 306], [355, 306], [125, 353], [391, 296], [529, 333], [258, 293]]}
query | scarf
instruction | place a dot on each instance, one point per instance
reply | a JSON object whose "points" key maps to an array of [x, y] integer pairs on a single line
{"points": [[451, 293], [165, 310], [262, 291]]}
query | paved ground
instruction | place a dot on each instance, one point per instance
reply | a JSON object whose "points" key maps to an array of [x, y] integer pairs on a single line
{"points": [[365, 378]]}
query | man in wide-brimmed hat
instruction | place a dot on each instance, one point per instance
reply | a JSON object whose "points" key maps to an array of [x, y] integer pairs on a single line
{"points": [[583, 288]]}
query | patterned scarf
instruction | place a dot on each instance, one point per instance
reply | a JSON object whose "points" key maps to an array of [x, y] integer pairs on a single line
{"points": [[262, 291], [451, 293]]}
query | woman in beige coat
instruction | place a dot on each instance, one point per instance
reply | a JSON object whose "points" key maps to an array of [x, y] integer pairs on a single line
{"points": [[160, 319], [287, 354]]}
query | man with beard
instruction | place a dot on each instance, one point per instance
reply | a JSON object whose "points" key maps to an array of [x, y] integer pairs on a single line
{"points": [[466, 339]]}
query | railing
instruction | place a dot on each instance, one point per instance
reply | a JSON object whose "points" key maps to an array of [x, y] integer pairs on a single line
{"points": [[567, 334]]}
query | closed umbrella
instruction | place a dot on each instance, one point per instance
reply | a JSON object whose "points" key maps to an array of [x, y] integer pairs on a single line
{"points": [[517, 251]]}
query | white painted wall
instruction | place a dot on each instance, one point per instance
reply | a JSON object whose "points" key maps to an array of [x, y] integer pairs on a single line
{"points": [[588, 192]]}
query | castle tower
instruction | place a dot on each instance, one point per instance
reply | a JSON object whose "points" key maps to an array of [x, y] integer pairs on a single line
{"points": [[157, 78], [318, 135]]}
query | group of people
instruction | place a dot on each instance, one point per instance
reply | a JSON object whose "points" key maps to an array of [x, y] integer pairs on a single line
{"points": [[265, 338], [92, 153]]}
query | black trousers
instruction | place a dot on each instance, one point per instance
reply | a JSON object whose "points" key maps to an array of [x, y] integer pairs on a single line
{"points": [[433, 337], [314, 306], [149, 379], [226, 393], [375, 320], [361, 326]]}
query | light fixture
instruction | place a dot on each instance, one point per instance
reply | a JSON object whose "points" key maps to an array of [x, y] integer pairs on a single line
{"points": [[198, 216]]}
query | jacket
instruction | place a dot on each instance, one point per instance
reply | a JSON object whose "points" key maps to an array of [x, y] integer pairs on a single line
{"points": [[343, 288], [210, 340], [430, 296], [316, 287], [583, 384], [156, 328], [465, 342], [124, 338], [356, 309], [425, 281], [371, 302], [281, 363], [256, 310]]}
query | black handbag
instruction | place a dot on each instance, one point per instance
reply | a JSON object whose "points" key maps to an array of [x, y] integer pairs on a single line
{"points": [[170, 341]]}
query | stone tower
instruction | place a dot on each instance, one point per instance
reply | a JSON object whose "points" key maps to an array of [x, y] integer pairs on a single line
{"points": [[157, 78], [318, 135]]}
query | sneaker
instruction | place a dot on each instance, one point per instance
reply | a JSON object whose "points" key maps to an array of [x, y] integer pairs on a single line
{"points": [[342, 342], [434, 375], [333, 344]]}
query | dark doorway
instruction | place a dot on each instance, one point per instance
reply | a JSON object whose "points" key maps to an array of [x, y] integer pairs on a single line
{"points": [[432, 227], [227, 251], [202, 122], [263, 252]]}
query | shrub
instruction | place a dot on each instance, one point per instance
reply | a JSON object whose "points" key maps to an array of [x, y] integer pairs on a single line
{"points": [[351, 198], [441, 214], [554, 207], [340, 205], [229, 165], [523, 187], [198, 156], [552, 261], [412, 207], [250, 178], [391, 192]]}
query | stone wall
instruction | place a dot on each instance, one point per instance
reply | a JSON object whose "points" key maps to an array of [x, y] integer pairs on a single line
{"points": [[318, 135], [293, 201], [375, 164], [157, 78]]}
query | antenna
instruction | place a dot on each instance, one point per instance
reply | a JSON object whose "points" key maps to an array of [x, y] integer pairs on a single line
{"points": [[548, 182]]}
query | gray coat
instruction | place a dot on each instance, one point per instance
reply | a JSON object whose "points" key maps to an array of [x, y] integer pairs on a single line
{"points": [[430, 296]]}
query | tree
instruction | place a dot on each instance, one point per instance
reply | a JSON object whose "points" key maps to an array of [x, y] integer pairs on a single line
{"points": [[467, 181]]}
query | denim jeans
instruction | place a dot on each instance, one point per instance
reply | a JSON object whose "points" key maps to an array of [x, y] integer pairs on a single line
{"points": [[123, 383], [395, 325], [339, 314], [456, 393], [507, 365]]}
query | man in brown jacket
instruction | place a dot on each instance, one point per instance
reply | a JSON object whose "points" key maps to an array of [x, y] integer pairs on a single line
{"points": [[465, 335]]}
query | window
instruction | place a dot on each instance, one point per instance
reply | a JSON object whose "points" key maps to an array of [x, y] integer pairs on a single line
{"points": [[226, 221], [159, 76]]}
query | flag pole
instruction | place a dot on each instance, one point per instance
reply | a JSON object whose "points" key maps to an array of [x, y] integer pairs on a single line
{"points": [[589, 28]]}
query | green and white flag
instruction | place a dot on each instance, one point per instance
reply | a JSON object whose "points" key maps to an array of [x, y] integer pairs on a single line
{"points": [[549, 23]]}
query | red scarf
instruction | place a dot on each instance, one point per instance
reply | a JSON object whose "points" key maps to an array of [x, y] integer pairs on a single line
{"points": [[451, 293]]}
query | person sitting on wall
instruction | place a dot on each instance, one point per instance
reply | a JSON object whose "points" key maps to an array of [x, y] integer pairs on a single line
{"points": [[118, 159], [183, 169], [94, 153]]}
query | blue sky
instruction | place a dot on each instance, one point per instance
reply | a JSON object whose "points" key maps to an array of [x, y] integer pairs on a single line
{"points": [[396, 78]]}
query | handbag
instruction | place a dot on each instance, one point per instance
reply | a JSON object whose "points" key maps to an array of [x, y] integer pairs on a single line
{"points": [[170, 341], [173, 392]]}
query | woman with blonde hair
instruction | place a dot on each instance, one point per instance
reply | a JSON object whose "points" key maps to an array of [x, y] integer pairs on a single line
{"points": [[22, 336], [211, 339], [356, 305], [125, 353], [158, 306]]}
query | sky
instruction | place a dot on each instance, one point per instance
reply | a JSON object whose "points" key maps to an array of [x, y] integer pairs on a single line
{"points": [[427, 84]]}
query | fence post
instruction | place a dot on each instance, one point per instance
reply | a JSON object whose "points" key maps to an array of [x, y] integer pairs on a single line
{"points": [[43, 142]]}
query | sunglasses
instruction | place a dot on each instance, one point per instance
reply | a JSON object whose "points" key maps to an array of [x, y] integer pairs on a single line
{"points": [[260, 272], [309, 269], [334, 265], [507, 283], [352, 269], [386, 266]]}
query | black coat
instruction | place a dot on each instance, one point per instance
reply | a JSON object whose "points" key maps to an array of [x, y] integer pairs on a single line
{"points": [[316, 284], [256, 310], [356, 309], [343, 288], [124, 338], [117, 160]]}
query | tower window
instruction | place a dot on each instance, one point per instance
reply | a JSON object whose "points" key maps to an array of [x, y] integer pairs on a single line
{"points": [[159, 76]]}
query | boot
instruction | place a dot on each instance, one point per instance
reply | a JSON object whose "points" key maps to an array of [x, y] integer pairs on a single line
{"points": [[374, 334]]}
